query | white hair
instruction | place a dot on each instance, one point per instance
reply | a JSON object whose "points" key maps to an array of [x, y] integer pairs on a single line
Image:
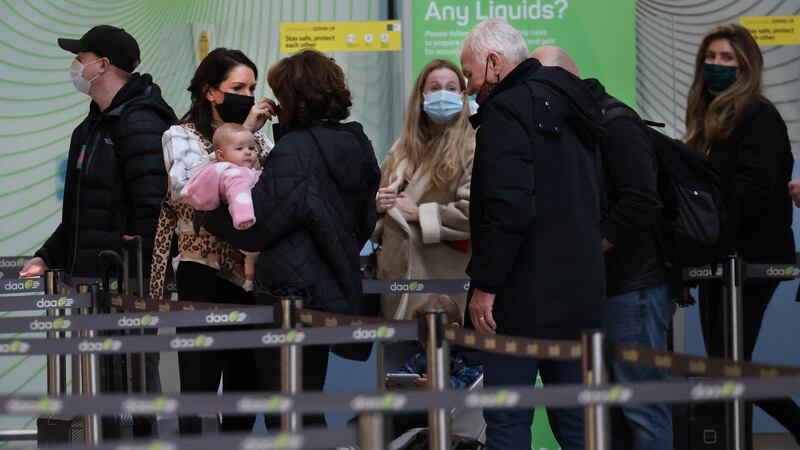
{"points": [[497, 36]]}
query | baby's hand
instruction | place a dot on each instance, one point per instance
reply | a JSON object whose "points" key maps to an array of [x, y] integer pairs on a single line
{"points": [[244, 225]]}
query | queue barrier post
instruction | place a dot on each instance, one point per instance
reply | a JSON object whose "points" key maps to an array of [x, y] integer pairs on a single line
{"points": [[438, 356], [89, 366], [371, 431], [595, 373], [732, 275], [291, 363], [380, 368], [55, 372]]}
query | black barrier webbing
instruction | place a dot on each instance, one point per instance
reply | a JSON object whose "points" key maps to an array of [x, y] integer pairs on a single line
{"points": [[418, 400], [126, 321], [273, 337], [44, 302], [308, 439]]}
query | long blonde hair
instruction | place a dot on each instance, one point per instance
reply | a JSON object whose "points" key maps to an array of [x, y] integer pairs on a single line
{"points": [[711, 118], [445, 154]]}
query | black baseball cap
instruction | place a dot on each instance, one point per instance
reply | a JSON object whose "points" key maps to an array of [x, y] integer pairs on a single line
{"points": [[109, 42]]}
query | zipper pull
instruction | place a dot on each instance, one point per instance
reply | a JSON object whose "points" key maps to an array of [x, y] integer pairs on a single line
{"points": [[79, 165]]}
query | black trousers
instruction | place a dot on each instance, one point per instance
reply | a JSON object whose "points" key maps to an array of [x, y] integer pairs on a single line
{"points": [[755, 298], [314, 370], [201, 371]]}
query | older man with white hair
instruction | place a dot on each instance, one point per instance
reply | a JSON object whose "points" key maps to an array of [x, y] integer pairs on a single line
{"points": [[537, 263]]}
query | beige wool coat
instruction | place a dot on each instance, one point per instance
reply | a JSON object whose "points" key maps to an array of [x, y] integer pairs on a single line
{"points": [[419, 250]]}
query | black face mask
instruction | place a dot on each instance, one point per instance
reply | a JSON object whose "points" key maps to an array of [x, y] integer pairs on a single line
{"points": [[235, 108]]}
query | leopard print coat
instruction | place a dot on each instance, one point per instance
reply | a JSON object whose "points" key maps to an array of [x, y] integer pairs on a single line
{"points": [[194, 242]]}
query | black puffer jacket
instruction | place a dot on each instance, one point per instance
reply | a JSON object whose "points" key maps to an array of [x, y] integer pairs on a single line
{"points": [[115, 180], [315, 209]]}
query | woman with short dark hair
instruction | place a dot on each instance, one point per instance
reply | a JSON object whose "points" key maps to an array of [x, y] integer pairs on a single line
{"points": [[313, 205]]}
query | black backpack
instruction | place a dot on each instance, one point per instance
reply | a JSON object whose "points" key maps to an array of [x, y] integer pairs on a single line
{"points": [[698, 207]]}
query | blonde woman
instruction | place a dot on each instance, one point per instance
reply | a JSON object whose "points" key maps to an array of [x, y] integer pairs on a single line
{"points": [[745, 138], [424, 195]]}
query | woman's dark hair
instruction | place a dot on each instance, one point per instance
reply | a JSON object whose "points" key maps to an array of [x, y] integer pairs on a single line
{"points": [[309, 86], [211, 72]]}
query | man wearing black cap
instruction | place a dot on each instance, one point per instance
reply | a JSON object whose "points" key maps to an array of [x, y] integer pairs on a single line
{"points": [[115, 178]]}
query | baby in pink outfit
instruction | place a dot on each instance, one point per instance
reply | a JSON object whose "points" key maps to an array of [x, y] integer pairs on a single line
{"points": [[230, 178]]}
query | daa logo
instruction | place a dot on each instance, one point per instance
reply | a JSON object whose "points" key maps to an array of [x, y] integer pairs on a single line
{"points": [[22, 285], [107, 345], [704, 272], [725, 391], [63, 302], [281, 441], [291, 337], [788, 271], [46, 325], [6, 263], [41, 406], [201, 341], [382, 332], [413, 286], [614, 395], [273, 404], [15, 347], [232, 317], [503, 397], [390, 402], [158, 405], [144, 321]]}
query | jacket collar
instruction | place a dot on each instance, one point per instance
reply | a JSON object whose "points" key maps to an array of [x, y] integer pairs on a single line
{"points": [[519, 74]]}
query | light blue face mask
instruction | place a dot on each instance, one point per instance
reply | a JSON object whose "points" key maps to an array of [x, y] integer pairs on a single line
{"points": [[441, 106]]}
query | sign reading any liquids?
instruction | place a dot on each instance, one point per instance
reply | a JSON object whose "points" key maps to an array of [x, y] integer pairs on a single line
{"points": [[376, 36], [600, 35], [773, 30]]}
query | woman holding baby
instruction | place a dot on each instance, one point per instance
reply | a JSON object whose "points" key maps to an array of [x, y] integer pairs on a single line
{"points": [[207, 269]]}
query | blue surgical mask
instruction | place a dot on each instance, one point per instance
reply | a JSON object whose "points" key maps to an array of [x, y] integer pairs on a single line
{"points": [[473, 105], [441, 106], [718, 77]]}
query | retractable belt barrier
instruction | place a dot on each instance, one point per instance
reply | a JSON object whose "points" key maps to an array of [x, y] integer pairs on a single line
{"points": [[134, 303], [125, 321], [330, 329], [44, 302], [308, 439], [683, 364], [225, 340], [310, 402]]}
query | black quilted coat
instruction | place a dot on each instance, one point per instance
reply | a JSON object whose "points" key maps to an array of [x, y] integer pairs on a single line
{"points": [[115, 180], [315, 209]]}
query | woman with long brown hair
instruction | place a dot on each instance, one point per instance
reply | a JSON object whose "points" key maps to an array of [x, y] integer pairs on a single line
{"points": [[425, 185], [745, 138]]}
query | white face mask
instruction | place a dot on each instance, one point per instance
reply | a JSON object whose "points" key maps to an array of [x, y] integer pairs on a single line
{"points": [[76, 75]]}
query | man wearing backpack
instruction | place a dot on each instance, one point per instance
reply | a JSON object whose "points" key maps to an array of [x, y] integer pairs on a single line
{"points": [[115, 178], [639, 308], [537, 264]]}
